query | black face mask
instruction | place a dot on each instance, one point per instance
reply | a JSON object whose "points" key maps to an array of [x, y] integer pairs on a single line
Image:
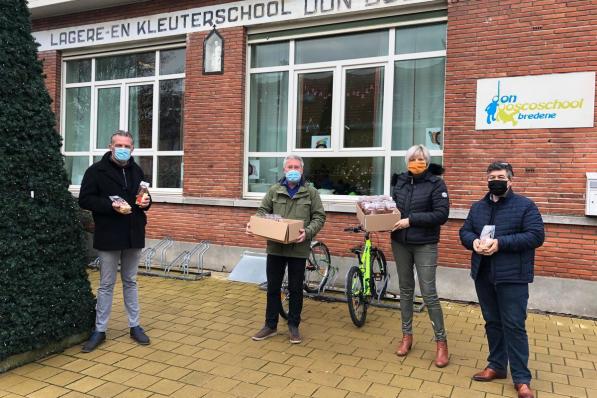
{"points": [[497, 187]]}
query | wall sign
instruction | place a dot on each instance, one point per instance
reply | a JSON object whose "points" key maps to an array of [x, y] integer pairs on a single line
{"points": [[240, 13], [561, 100]]}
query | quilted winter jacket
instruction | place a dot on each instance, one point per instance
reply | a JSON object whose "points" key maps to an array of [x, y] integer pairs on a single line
{"points": [[519, 231], [424, 201]]}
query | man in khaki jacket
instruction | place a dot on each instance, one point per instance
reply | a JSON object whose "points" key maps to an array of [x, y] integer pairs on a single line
{"points": [[295, 199]]}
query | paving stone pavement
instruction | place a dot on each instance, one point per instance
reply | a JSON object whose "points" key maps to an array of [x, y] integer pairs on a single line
{"points": [[201, 347]]}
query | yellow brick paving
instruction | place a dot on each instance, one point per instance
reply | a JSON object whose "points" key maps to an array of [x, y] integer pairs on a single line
{"points": [[201, 347]]}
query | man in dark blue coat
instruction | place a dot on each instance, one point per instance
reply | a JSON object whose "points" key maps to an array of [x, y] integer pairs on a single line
{"points": [[502, 265], [119, 231]]}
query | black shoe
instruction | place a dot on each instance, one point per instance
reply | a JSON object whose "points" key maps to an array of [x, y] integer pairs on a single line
{"points": [[95, 339], [295, 336], [138, 334]]}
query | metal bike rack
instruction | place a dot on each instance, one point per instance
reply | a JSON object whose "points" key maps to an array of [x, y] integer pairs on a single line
{"points": [[95, 263], [149, 252], [329, 292], [331, 280], [183, 260], [390, 300], [180, 263]]}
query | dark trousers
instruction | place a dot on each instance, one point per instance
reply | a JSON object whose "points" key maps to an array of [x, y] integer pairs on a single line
{"points": [[504, 308], [276, 265]]}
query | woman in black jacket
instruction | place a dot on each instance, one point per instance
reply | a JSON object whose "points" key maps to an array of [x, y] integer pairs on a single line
{"points": [[422, 198]]}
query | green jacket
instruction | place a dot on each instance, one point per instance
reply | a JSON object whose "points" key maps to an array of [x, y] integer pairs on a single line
{"points": [[305, 205]]}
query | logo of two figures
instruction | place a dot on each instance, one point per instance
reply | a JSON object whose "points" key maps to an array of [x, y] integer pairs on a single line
{"points": [[495, 113]]}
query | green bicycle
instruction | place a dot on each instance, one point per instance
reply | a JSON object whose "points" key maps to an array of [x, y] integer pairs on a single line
{"points": [[367, 281]]}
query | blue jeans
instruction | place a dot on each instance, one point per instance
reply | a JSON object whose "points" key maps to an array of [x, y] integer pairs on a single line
{"points": [[504, 308]]}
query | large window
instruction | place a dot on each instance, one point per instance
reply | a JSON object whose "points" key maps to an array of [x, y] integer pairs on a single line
{"points": [[349, 104], [140, 92]]}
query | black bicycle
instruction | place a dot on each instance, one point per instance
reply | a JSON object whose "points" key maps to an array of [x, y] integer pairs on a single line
{"points": [[366, 281], [318, 271]]}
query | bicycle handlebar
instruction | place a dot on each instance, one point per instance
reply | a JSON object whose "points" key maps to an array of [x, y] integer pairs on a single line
{"points": [[356, 229]]}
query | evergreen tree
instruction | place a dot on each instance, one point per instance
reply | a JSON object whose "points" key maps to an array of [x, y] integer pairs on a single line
{"points": [[45, 295]]}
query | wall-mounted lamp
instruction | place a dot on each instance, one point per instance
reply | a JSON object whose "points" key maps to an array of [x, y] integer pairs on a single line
{"points": [[213, 53]]}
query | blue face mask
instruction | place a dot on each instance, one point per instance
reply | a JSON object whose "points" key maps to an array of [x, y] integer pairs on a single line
{"points": [[293, 176], [122, 154]]}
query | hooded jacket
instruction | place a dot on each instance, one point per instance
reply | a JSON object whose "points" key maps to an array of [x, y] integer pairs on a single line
{"points": [[423, 199], [114, 231]]}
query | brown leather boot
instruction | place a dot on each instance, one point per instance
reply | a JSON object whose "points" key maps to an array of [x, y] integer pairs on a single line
{"points": [[441, 355], [405, 345]]}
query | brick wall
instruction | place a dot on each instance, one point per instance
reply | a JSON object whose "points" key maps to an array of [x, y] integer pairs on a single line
{"points": [[119, 12], [213, 119], [569, 252], [52, 63], [492, 38], [485, 39]]}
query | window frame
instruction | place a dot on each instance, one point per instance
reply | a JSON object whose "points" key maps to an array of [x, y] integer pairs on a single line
{"points": [[124, 85], [338, 101]]}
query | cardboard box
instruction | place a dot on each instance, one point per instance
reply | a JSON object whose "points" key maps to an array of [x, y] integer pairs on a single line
{"points": [[377, 222], [283, 231]]}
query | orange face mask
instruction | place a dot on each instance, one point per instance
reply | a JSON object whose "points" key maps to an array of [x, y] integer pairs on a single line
{"points": [[417, 166]]}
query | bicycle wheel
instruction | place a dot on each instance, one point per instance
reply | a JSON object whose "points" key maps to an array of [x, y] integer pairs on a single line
{"points": [[357, 302], [284, 297], [379, 273], [317, 268]]}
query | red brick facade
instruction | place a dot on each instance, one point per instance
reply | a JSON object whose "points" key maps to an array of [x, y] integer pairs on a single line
{"points": [[52, 63], [486, 39], [214, 119]]}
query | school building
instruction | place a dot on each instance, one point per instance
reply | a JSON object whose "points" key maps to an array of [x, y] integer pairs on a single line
{"points": [[216, 93]]}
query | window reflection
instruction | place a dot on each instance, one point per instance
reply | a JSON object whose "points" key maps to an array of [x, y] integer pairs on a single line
{"points": [[270, 54], [414, 39], [125, 66], [170, 171], [330, 176], [171, 115], [78, 71], [108, 114], [77, 119], [346, 176], [333, 48], [146, 164], [363, 110], [141, 114], [314, 108], [75, 168], [418, 103], [268, 110], [172, 61]]}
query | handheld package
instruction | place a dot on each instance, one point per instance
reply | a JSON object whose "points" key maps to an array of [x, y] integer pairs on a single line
{"points": [[122, 204], [142, 193]]}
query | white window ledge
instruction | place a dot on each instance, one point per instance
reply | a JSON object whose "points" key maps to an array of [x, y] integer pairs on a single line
{"points": [[337, 207], [349, 207]]}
